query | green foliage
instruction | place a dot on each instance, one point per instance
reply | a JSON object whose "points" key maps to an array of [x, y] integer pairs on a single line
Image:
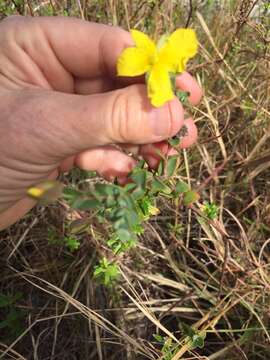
{"points": [[181, 187], [174, 141], [176, 229], [172, 165], [210, 210], [125, 209], [11, 318], [71, 242], [190, 197], [106, 272], [182, 96], [169, 348], [196, 337], [118, 245], [7, 8]]}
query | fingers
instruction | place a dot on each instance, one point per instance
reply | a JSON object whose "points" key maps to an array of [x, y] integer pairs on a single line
{"points": [[15, 212], [61, 125], [88, 86], [191, 134], [108, 161], [56, 50], [186, 82], [153, 153]]}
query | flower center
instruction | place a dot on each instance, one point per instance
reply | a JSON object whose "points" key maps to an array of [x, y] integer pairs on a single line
{"points": [[153, 59]]}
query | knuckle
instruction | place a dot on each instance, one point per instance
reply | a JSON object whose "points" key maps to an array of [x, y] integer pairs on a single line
{"points": [[120, 115]]}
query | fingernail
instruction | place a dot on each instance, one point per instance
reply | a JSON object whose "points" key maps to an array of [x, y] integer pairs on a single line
{"points": [[166, 120]]}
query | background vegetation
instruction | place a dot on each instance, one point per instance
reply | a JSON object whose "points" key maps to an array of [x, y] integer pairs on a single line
{"points": [[195, 287]]}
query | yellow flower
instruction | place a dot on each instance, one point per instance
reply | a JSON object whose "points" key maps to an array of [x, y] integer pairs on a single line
{"points": [[35, 192], [159, 62]]}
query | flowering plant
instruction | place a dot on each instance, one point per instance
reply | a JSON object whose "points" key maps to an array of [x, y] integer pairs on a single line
{"points": [[161, 62]]}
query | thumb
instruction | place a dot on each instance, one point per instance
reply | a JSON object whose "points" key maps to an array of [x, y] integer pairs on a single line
{"points": [[78, 122]]}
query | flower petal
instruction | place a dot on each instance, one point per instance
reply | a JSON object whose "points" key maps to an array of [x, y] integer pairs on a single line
{"points": [[137, 60], [133, 62], [159, 85], [179, 48], [142, 41]]}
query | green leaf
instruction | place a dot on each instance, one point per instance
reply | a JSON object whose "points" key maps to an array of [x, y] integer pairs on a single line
{"points": [[110, 201], [187, 330], [138, 193], [197, 341], [85, 204], [181, 187], [210, 210], [71, 194], [159, 186], [72, 243], [139, 177], [140, 164], [79, 225], [106, 272], [172, 164], [182, 96], [106, 190], [159, 338], [174, 141], [124, 234], [160, 170], [129, 187], [190, 197]]}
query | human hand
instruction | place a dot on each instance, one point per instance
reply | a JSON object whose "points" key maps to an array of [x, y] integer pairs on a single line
{"points": [[61, 105]]}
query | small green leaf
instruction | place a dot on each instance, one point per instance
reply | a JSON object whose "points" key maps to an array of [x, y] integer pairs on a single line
{"points": [[85, 204], [182, 96], [110, 201], [159, 338], [172, 163], [124, 235], [159, 186], [138, 193], [72, 243], [181, 187], [79, 225], [129, 187], [139, 177], [106, 272], [71, 194], [197, 341], [140, 164], [210, 210], [160, 170], [187, 330], [190, 197], [174, 141], [106, 189]]}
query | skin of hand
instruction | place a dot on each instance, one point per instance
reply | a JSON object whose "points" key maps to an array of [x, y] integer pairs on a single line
{"points": [[61, 105]]}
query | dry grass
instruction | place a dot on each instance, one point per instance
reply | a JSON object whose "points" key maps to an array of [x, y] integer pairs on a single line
{"points": [[213, 275]]}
